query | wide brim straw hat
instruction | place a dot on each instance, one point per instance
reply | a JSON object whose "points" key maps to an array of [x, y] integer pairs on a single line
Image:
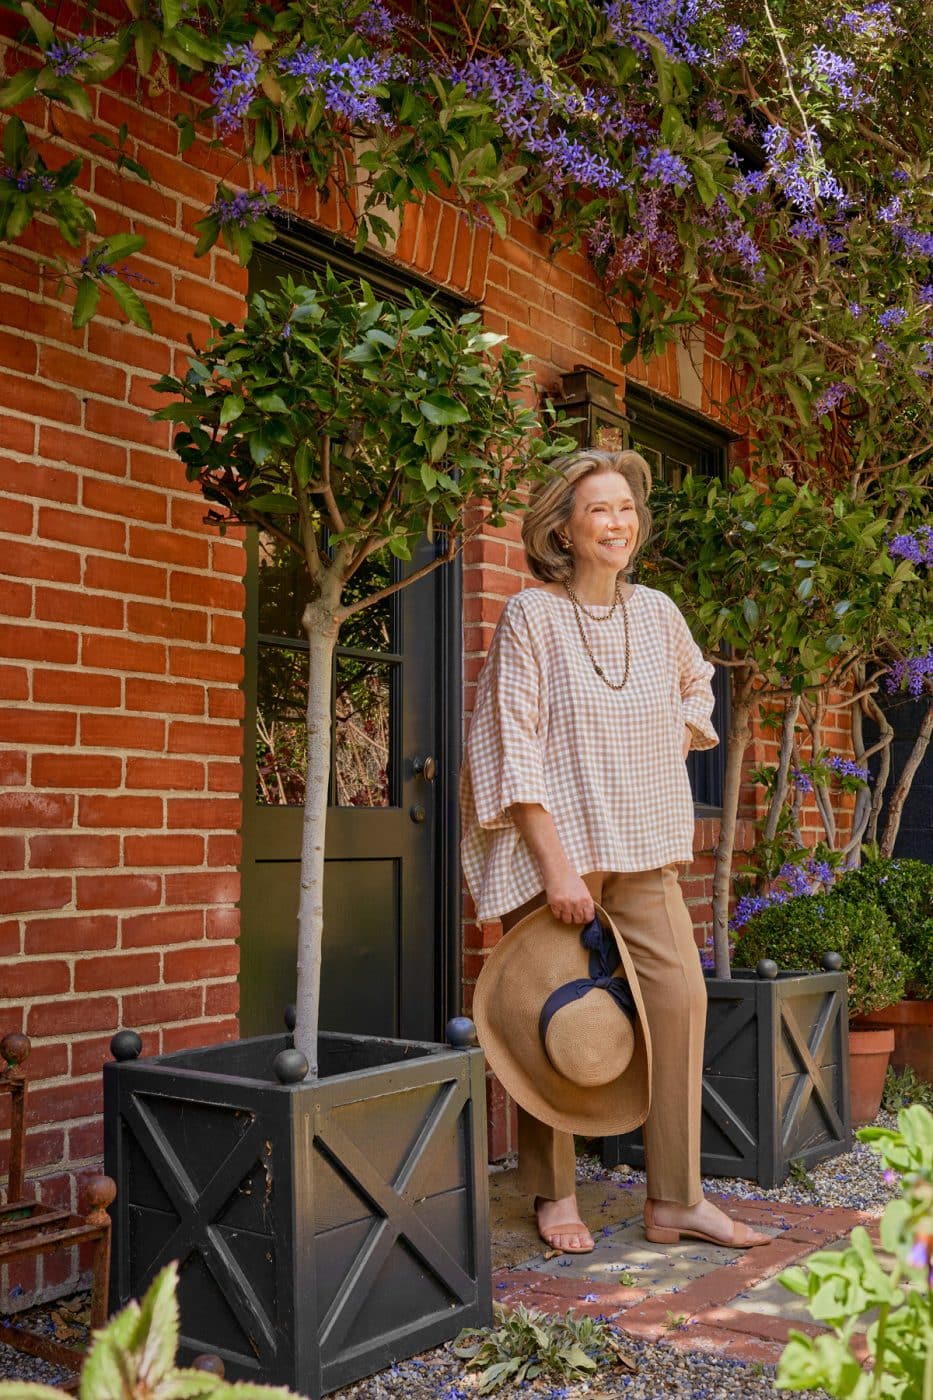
{"points": [[603, 1083]]}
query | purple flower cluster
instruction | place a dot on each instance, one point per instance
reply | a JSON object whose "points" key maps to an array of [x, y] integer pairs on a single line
{"points": [[875, 21], [798, 878], [910, 674], [921, 1257], [661, 166], [830, 399], [855, 310], [244, 208], [27, 180], [375, 23], [894, 316], [730, 239], [846, 768], [798, 169], [669, 21], [840, 74], [349, 86], [917, 546], [803, 780], [65, 58], [99, 270], [234, 85]]}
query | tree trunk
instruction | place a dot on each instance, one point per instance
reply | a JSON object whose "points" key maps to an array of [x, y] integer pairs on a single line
{"points": [[736, 744], [791, 711], [322, 628], [904, 782]]}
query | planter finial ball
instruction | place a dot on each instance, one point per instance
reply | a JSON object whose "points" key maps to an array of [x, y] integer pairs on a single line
{"points": [[767, 969], [291, 1016], [126, 1045], [461, 1032], [831, 962], [15, 1048], [290, 1066]]}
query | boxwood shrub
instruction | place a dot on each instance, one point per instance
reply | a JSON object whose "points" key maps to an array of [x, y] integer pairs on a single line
{"points": [[904, 890]]}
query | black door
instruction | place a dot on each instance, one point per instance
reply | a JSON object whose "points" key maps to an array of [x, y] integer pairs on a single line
{"points": [[386, 895]]}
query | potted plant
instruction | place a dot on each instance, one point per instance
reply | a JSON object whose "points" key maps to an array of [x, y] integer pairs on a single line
{"points": [[325, 1196], [800, 932], [904, 890]]}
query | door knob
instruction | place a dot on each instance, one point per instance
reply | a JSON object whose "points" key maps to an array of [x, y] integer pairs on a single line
{"points": [[425, 767], [417, 813]]}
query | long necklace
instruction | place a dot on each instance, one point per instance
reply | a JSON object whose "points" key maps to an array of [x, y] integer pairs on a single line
{"points": [[578, 613], [596, 617]]}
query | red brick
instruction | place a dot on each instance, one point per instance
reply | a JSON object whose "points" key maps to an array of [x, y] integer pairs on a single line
{"points": [[32, 400], [86, 1141], [227, 631], [119, 576], [162, 1004], [205, 592], [203, 664], [37, 727], [222, 999], [50, 1018], [226, 703], [164, 697], [12, 768], [37, 479], [224, 850], [127, 345], [222, 923], [203, 1033], [163, 926], [80, 450], [165, 774], [128, 502], [89, 531], [10, 942], [116, 970], [47, 1061], [16, 435], [157, 468], [76, 371], [227, 558], [38, 643], [77, 770], [16, 517], [122, 732], [164, 850], [122, 654], [155, 620], [203, 813], [41, 977], [18, 353], [12, 853], [187, 737], [89, 1057], [117, 891], [120, 811], [64, 1101], [125, 424], [83, 688], [14, 683], [71, 933], [80, 609], [224, 777], [169, 548], [28, 809], [73, 852], [195, 963]]}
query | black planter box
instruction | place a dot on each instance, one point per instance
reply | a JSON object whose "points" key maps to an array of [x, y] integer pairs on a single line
{"points": [[323, 1229], [775, 1077]]}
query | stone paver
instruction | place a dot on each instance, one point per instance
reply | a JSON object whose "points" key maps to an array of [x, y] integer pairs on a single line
{"points": [[697, 1296]]}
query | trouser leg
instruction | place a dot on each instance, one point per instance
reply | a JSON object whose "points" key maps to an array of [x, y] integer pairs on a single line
{"points": [[547, 1162], [649, 911]]}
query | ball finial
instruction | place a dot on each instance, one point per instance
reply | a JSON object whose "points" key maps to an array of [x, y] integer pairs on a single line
{"points": [[290, 1066], [767, 969], [831, 962], [461, 1032], [15, 1048], [126, 1045]]}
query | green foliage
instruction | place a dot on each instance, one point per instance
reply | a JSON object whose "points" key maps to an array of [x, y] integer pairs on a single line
{"points": [[841, 1286], [903, 1088], [526, 1345], [799, 931], [133, 1358], [904, 890]]}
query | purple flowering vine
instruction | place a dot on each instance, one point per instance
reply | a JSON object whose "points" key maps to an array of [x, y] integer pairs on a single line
{"points": [[244, 208], [830, 399], [910, 674], [66, 57], [915, 545], [234, 85]]}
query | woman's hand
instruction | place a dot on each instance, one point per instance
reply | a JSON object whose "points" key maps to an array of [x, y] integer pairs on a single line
{"points": [[569, 899]]}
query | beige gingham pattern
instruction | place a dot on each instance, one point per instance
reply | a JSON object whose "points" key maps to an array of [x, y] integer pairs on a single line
{"points": [[606, 764]]}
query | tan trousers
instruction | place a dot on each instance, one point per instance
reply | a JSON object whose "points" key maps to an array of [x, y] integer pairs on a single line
{"points": [[649, 911]]}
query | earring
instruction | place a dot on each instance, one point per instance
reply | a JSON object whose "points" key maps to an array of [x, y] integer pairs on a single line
{"points": [[563, 541]]}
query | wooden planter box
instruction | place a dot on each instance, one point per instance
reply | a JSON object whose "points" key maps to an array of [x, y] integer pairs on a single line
{"points": [[323, 1229], [912, 1024], [775, 1077]]}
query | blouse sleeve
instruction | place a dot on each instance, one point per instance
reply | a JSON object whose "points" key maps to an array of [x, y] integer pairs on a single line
{"points": [[503, 750], [695, 689]]}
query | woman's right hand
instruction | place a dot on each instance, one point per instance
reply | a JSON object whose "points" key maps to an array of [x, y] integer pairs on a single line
{"points": [[569, 899]]}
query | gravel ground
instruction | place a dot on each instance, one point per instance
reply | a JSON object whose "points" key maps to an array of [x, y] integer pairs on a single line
{"points": [[853, 1180]]}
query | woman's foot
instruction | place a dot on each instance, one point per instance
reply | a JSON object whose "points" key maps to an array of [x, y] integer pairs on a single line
{"points": [[666, 1221], [560, 1226]]}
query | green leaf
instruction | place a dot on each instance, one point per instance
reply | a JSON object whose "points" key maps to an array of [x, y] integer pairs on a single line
{"points": [[40, 26], [274, 503], [130, 302], [750, 611], [271, 403], [85, 302], [171, 12], [442, 409], [20, 87], [15, 142], [230, 409], [705, 180], [158, 1328]]}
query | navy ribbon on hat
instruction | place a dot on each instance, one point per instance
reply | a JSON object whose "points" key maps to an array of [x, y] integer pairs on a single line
{"points": [[604, 958]]}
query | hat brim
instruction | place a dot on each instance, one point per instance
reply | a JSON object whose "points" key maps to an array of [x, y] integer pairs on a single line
{"points": [[539, 954]]}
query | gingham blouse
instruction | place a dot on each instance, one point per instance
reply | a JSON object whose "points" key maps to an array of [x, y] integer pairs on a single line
{"points": [[607, 765]]}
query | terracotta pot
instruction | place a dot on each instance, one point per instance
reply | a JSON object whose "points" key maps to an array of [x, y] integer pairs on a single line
{"points": [[869, 1053], [912, 1024]]}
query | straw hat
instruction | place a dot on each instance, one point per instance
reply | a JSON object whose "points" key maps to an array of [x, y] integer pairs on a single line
{"points": [[549, 1012]]}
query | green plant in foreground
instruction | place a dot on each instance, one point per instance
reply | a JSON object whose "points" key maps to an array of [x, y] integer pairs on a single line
{"points": [[904, 1087], [526, 1344], [841, 1286], [133, 1358]]}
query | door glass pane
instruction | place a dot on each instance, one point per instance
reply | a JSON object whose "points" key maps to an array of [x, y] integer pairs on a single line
{"points": [[281, 736], [363, 732], [284, 588]]}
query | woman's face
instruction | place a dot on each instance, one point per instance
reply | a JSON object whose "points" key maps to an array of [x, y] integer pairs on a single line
{"points": [[603, 526]]}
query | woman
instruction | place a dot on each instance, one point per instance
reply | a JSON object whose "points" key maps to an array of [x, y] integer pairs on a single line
{"points": [[575, 790]]}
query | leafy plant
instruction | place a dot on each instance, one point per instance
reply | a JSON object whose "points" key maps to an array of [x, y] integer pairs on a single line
{"points": [[526, 1345], [797, 933], [904, 890], [347, 428], [133, 1358], [842, 1286], [903, 1088]]}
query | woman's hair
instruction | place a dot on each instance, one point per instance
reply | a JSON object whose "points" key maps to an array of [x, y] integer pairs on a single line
{"points": [[552, 502]]}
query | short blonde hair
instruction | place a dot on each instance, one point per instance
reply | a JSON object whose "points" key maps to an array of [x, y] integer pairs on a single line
{"points": [[552, 503]]}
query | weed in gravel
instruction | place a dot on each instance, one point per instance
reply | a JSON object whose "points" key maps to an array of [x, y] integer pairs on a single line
{"points": [[903, 1088], [525, 1345], [797, 1171]]}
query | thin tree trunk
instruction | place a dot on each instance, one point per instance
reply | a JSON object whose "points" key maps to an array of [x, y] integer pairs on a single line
{"points": [[321, 627], [904, 782], [791, 711], [736, 744], [884, 765], [862, 810]]}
